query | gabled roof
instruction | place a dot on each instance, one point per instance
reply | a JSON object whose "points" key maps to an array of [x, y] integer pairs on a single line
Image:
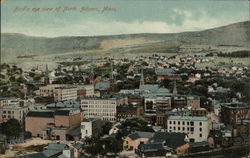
{"points": [[49, 153], [151, 147], [55, 146], [64, 104], [137, 135], [163, 71], [198, 144], [171, 140], [75, 132], [105, 85], [36, 155]]}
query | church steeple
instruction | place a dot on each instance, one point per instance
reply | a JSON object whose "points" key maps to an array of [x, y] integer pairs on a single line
{"points": [[175, 89], [142, 78], [46, 75], [111, 71], [92, 73], [112, 79]]}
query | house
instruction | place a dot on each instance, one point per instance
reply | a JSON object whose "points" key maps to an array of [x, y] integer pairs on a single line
{"points": [[166, 73], [195, 147], [134, 139], [53, 150], [91, 127], [198, 112], [163, 143]]}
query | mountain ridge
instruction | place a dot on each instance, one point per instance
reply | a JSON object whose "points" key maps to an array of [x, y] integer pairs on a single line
{"points": [[20, 44]]}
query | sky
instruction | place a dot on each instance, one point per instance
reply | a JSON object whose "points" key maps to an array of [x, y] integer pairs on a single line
{"points": [[122, 17]]}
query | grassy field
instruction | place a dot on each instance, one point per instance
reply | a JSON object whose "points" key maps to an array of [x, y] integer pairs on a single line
{"points": [[223, 62]]}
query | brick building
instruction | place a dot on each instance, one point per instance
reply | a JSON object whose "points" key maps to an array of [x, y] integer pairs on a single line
{"points": [[231, 113], [53, 124], [131, 110]]}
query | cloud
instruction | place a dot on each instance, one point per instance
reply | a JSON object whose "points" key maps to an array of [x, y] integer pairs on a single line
{"points": [[188, 22]]}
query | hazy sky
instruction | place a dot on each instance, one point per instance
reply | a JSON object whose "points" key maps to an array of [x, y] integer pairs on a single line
{"points": [[131, 16]]}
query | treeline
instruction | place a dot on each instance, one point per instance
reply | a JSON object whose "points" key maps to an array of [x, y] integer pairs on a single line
{"points": [[235, 54]]}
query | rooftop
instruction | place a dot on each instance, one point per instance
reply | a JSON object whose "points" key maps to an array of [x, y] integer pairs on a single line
{"points": [[14, 107], [236, 105], [90, 119], [172, 140], [137, 135], [163, 71], [194, 118], [40, 113]]}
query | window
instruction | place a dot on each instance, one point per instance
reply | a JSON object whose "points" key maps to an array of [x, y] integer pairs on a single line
{"points": [[170, 122], [183, 123], [174, 122], [188, 128], [200, 123], [174, 128], [183, 128], [192, 129], [178, 122], [187, 123], [200, 129], [86, 131], [200, 135], [192, 123], [179, 128]]}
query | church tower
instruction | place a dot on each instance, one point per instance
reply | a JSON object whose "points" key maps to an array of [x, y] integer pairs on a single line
{"points": [[111, 78], [46, 75], [175, 89], [92, 74], [142, 78]]}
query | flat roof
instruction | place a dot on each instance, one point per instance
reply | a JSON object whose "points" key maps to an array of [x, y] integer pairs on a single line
{"points": [[13, 107], [195, 118]]}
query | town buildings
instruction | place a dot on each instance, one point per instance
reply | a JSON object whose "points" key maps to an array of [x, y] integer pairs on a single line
{"points": [[233, 112], [53, 124], [197, 128], [128, 111], [17, 112], [103, 107], [91, 127], [65, 93]]}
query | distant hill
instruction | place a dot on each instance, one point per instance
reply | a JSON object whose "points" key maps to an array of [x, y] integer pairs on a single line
{"points": [[13, 44]]}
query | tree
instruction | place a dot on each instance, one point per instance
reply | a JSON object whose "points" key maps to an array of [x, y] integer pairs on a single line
{"points": [[112, 145], [106, 127], [137, 124], [94, 146], [12, 128]]}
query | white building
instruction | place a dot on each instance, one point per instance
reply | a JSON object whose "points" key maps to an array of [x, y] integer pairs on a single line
{"points": [[90, 90], [91, 126], [13, 111], [65, 93], [104, 108], [197, 128], [9, 101], [49, 89]]}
